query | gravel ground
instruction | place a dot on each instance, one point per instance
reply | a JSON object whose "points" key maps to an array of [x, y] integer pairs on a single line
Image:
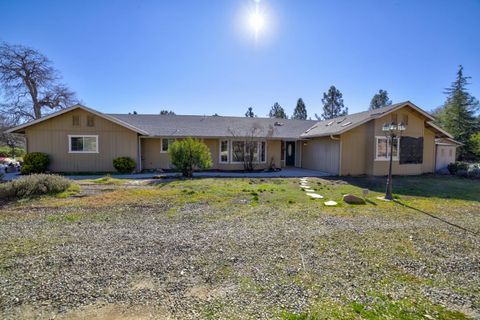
{"points": [[200, 262]]}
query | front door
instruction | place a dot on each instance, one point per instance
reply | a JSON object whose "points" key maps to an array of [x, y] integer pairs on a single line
{"points": [[290, 153]]}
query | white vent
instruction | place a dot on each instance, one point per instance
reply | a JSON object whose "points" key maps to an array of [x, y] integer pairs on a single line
{"points": [[330, 123], [340, 121], [346, 123]]}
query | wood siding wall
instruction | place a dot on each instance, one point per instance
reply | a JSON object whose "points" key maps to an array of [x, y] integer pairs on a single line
{"points": [[358, 146], [51, 137], [153, 159], [321, 154]]}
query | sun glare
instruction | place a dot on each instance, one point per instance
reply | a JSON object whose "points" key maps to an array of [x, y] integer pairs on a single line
{"points": [[257, 20]]}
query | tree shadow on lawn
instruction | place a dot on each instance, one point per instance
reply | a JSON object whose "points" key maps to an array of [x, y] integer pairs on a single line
{"points": [[431, 215], [446, 187]]}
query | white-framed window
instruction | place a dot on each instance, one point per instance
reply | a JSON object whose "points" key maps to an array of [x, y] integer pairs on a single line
{"points": [[256, 149], [382, 148], [224, 151], [83, 143], [165, 144]]}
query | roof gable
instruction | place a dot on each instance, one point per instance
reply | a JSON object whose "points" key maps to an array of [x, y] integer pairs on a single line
{"points": [[343, 124], [20, 128]]}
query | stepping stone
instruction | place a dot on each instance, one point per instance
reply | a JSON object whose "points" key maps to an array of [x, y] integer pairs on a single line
{"points": [[314, 195], [309, 190], [304, 186], [330, 203]]}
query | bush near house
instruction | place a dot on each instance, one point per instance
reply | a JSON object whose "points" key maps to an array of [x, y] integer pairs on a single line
{"points": [[7, 152], [190, 154], [124, 164], [464, 169], [35, 162], [34, 185], [454, 167]]}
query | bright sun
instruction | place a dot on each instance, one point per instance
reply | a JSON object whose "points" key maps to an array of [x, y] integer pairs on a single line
{"points": [[257, 21]]}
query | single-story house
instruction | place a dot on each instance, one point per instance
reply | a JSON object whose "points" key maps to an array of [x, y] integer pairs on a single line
{"points": [[81, 139]]}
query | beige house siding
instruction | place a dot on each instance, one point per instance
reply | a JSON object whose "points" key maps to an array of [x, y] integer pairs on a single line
{"points": [[356, 151], [321, 154], [358, 146], [152, 158], [414, 128], [51, 137], [428, 152]]}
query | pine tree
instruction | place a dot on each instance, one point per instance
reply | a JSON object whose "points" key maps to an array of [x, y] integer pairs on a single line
{"points": [[277, 112], [380, 100], [300, 111], [458, 114], [332, 105], [167, 113], [249, 113]]}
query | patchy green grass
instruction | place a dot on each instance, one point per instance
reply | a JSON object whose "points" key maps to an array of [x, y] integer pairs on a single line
{"points": [[256, 248], [72, 190], [108, 180]]}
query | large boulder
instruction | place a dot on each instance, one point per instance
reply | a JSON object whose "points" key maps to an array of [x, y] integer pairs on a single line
{"points": [[351, 199]]}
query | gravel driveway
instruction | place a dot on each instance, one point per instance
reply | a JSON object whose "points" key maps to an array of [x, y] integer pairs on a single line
{"points": [[197, 260]]}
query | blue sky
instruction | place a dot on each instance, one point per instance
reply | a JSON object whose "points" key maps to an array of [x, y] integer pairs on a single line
{"points": [[200, 57]]}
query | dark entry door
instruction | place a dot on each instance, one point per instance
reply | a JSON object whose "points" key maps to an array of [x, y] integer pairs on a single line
{"points": [[290, 153]]}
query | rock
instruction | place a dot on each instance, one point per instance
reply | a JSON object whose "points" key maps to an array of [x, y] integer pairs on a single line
{"points": [[351, 199]]}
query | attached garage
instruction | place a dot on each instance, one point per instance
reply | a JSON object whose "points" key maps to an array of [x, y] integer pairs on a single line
{"points": [[321, 154]]}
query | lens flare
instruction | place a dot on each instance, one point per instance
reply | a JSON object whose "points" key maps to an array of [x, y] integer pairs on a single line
{"points": [[257, 20]]}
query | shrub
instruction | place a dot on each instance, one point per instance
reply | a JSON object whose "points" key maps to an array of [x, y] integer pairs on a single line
{"points": [[34, 185], [7, 152], [35, 162], [124, 164], [190, 154], [454, 168]]}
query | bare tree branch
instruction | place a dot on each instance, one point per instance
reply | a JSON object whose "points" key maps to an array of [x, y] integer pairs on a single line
{"points": [[30, 85]]}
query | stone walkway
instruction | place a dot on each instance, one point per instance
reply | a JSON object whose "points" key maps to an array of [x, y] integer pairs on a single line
{"points": [[311, 192]]}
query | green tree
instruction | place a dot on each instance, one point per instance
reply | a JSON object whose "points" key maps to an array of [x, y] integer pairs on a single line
{"points": [[300, 112], [457, 115], [277, 112], [475, 144], [249, 113], [332, 105], [167, 113], [190, 154], [380, 100]]}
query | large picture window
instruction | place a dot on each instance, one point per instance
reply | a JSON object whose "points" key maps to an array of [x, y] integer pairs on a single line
{"points": [[82, 144], [238, 151], [166, 143], [246, 150], [382, 148]]}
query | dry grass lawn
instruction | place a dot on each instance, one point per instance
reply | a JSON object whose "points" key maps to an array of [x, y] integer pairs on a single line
{"points": [[244, 249]]}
